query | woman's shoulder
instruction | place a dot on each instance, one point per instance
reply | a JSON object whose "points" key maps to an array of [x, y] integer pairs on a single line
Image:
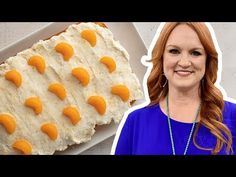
{"points": [[229, 107], [229, 115], [143, 112]]}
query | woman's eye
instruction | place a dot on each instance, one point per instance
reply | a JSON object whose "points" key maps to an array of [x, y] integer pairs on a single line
{"points": [[174, 51], [196, 53]]}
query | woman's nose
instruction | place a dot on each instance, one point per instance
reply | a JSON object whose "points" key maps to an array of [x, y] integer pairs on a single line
{"points": [[184, 61]]}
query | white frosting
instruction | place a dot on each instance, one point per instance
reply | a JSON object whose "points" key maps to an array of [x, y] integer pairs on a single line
{"points": [[58, 70]]}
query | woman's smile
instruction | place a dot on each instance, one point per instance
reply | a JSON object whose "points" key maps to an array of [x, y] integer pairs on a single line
{"points": [[183, 73]]}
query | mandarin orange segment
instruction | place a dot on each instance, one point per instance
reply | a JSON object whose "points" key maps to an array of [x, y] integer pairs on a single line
{"points": [[38, 62], [82, 75], [122, 91], [65, 49], [109, 63], [23, 146], [35, 104], [90, 36], [8, 122], [98, 103], [72, 113], [14, 76], [58, 89], [50, 129]]}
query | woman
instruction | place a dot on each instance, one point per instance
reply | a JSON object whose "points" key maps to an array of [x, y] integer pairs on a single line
{"points": [[187, 113]]}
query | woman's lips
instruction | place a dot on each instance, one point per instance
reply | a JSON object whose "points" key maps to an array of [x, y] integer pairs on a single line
{"points": [[183, 73]]}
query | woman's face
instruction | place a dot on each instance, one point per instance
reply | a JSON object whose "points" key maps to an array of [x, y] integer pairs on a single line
{"points": [[184, 58]]}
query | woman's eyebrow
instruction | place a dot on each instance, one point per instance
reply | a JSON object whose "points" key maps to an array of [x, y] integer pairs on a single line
{"points": [[197, 48], [171, 45], [176, 46]]}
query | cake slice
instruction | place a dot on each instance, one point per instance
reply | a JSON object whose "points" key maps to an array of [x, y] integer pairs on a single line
{"points": [[55, 93]]}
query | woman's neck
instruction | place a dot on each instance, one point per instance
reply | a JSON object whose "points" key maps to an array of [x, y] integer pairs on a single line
{"points": [[183, 105], [184, 97]]}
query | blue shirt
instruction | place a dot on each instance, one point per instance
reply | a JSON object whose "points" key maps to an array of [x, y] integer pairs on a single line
{"points": [[146, 132]]}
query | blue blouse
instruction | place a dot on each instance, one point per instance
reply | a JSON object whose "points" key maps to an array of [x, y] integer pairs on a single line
{"points": [[146, 132]]}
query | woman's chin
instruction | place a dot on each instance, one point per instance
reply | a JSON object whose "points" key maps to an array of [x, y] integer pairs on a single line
{"points": [[184, 86]]}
